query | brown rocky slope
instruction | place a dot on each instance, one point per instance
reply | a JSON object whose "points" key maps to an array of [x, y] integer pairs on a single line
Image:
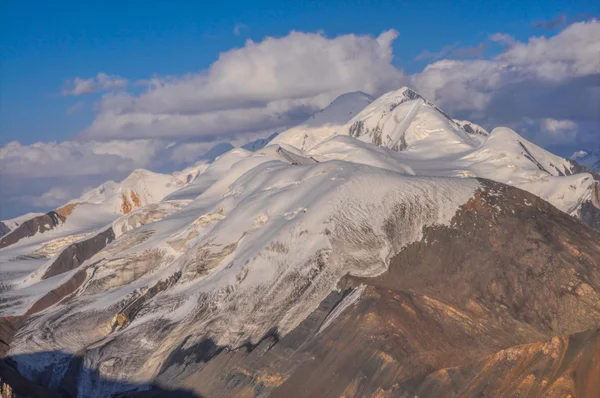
{"points": [[504, 302]]}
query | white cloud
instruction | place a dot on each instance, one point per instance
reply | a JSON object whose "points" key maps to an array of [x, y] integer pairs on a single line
{"points": [[572, 52], [267, 84], [102, 82], [553, 132], [71, 158], [558, 126], [502, 38], [54, 197], [556, 77]]}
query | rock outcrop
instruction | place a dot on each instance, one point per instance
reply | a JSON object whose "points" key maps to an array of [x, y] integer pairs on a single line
{"points": [[76, 253], [3, 229], [39, 224]]}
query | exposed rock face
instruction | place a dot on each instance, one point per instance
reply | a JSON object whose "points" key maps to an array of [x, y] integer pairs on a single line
{"points": [[3, 229], [39, 224], [589, 212], [67, 209], [76, 253], [561, 367], [130, 202], [58, 294], [125, 205], [596, 195]]}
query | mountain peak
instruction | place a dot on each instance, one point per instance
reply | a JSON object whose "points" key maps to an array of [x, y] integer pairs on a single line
{"points": [[352, 95], [259, 143], [326, 122], [397, 97], [341, 109]]}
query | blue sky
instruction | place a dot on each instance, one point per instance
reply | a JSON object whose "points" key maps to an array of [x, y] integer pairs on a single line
{"points": [[90, 91], [42, 44]]}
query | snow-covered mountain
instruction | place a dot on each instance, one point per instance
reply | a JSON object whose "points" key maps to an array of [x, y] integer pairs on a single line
{"points": [[96, 208], [587, 159], [394, 120], [8, 225], [259, 143], [324, 123], [15, 222], [426, 141], [140, 188], [231, 275]]}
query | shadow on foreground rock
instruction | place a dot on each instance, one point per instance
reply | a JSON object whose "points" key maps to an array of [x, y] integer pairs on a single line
{"points": [[14, 385]]}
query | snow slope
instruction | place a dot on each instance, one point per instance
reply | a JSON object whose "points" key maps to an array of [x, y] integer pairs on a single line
{"points": [[85, 216], [257, 250], [259, 143], [140, 188], [402, 120], [505, 157], [324, 123]]}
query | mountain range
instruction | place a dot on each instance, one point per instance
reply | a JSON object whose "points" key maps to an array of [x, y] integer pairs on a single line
{"points": [[380, 248]]}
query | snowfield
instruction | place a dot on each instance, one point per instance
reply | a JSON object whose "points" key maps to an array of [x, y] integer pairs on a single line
{"points": [[254, 241], [243, 258]]}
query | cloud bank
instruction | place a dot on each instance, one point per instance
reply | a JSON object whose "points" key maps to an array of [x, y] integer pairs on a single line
{"points": [[544, 78], [266, 85]]}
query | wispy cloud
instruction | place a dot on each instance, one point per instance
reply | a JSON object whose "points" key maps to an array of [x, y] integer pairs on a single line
{"points": [[101, 82], [237, 29], [54, 197], [469, 52], [74, 108], [453, 51], [558, 21], [502, 38], [435, 55]]}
